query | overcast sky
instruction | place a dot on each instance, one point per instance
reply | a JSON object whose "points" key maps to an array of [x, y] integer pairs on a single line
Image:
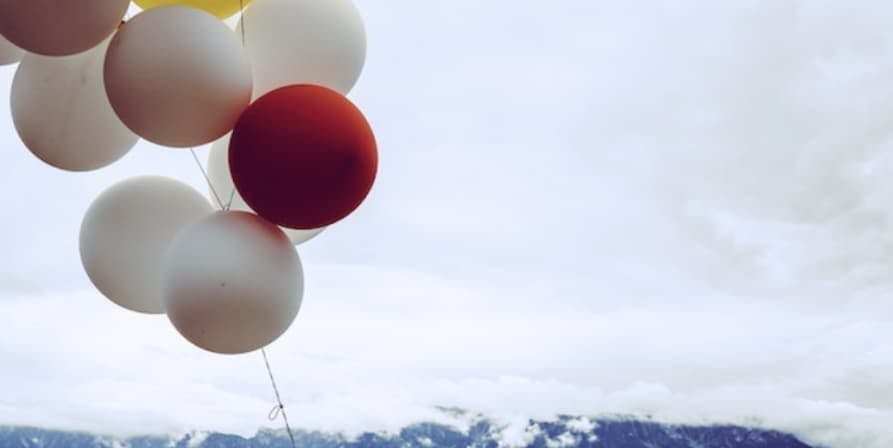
{"points": [[678, 209]]}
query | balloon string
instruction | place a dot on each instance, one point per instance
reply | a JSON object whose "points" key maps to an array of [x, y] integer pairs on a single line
{"points": [[279, 408], [208, 180], [232, 195], [242, 19]]}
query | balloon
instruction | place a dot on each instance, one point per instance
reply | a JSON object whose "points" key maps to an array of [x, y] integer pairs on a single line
{"points": [[303, 156], [60, 27], [177, 76], [62, 114], [126, 232], [319, 42], [220, 8], [232, 283], [9, 53], [222, 187]]}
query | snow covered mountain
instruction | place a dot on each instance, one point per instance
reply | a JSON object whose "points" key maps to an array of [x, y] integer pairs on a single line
{"points": [[565, 432]]}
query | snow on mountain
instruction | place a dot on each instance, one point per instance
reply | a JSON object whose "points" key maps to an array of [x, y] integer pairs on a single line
{"points": [[563, 432]]}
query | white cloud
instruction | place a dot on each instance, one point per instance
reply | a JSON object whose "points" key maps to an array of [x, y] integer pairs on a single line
{"points": [[564, 439], [344, 368], [518, 432], [581, 424]]}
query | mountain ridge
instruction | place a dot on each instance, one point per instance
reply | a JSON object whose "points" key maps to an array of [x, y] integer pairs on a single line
{"points": [[562, 432]]}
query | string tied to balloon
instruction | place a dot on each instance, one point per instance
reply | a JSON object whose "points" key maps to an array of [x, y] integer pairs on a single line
{"points": [[242, 20], [279, 408], [232, 194]]}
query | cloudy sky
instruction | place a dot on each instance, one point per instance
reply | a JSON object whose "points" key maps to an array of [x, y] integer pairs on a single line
{"points": [[677, 209]]}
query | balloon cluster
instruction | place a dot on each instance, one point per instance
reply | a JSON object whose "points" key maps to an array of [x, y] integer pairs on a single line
{"points": [[291, 154]]}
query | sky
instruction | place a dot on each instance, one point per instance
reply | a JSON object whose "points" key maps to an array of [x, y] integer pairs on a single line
{"points": [[673, 210]]}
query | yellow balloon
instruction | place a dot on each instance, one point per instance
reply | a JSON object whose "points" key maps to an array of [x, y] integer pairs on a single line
{"points": [[220, 8]]}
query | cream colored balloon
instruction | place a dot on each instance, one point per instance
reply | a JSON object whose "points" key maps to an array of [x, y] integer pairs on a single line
{"points": [[177, 76], [222, 187], [60, 27], [319, 42], [126, 231], [61, 113], [232, 283], [9, 53]]}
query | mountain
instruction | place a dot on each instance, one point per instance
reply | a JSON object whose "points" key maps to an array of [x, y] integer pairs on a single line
{"points": [[564, 432]]}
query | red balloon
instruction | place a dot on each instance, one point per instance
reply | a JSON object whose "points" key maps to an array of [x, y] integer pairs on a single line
{"points": [[303, 156]]}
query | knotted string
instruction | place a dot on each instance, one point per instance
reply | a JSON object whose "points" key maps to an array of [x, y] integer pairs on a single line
{"points": [[279, 408]]}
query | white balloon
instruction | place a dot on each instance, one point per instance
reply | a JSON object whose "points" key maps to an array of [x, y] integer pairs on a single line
{"points": [[60, 27], [232, 283], [177, 76], [62, 114], [319, 42], [126, 231], [222, 188], [9, 53]]}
